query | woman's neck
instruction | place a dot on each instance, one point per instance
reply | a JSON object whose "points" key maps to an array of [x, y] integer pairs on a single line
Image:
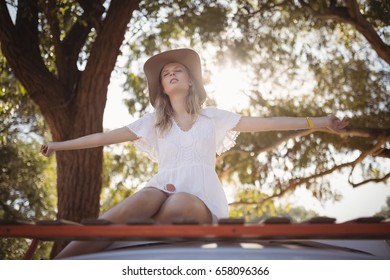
{"points": [[179, 107]]}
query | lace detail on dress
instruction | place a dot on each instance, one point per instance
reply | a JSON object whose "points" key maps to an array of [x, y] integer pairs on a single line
{"points": [[224, 122], [144, 129], [228, 142], [143, 146]]}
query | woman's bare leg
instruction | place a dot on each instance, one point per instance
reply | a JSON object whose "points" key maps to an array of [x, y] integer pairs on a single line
{"points": [[143, 204], [183, 205]]}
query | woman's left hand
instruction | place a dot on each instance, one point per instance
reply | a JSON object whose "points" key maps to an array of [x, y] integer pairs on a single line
{"points": [[333, 123]]}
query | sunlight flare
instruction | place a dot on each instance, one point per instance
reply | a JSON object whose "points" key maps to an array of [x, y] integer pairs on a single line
{"points": [[227, 87]]}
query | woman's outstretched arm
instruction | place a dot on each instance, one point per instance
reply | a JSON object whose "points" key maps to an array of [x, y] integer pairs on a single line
{"points": [[90, 141], [257, 124]]}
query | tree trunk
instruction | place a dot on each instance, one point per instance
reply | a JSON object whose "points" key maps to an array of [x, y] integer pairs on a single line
{"points": [[79, 181], [73, 101]]}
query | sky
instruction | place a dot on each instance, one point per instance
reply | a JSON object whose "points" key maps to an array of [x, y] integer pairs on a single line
{"points": [[363, 201]]}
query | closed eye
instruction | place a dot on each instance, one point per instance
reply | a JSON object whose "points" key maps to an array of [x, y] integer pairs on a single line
{"points": [[167, 72]]}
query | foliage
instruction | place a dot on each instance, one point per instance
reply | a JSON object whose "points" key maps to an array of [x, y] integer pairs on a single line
{"points": [[161, 25], [256, 208], [301, 64], [347, 78], [26, 192], [63, 53], [27, 180], [17, 112], [385, 211], [303, 57], [124, 172]]}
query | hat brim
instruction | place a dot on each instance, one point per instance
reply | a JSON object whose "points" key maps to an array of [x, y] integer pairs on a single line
{"points": [[154, 65]]}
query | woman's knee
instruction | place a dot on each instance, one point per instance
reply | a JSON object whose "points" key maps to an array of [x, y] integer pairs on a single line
{"points": [[149, 197], [183, 205], [143, 204]]}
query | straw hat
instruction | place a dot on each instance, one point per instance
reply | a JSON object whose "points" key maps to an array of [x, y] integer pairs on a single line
{"points": [[187, 57]]}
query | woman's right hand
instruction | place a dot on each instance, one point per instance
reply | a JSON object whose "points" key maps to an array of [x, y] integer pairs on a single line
{"points": [[47, 150]]}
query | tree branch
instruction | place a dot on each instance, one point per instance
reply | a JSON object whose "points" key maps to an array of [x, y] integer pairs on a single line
{"points": [[351, 15], [385, 153], [19, 44], [269, 148], [76, 38], [106, 48], [93, 12], [375, 180], [366, 132], [374, 133], [294, 183], [378, 147]]}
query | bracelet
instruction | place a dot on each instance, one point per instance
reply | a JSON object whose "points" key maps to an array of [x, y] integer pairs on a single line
{"points": [[309, 122]]}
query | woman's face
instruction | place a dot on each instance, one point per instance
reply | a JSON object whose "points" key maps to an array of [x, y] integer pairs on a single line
{"points": [[175, 79]]}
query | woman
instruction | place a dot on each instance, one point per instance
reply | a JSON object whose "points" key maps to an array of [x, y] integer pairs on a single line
{"points": [[184, 139]]}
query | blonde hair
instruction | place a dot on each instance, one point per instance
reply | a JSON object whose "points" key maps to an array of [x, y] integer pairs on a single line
{"points": [[164, 111]]}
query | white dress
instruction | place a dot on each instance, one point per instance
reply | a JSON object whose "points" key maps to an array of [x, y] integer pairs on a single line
{"points": [[186, 159]]}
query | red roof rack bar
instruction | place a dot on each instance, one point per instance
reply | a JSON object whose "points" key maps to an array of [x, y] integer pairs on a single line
{"points": [[227, 231]]}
